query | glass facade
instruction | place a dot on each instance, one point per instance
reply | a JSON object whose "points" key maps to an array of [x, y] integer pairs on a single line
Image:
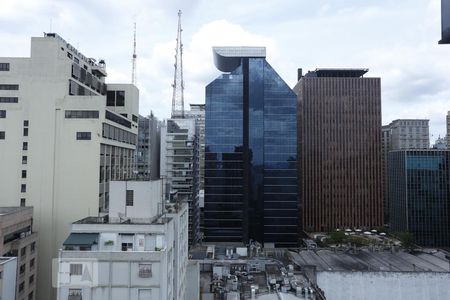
{"points": [[250, 157], [419, 193]]}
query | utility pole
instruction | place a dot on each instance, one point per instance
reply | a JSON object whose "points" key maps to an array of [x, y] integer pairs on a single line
{"points": [[178, 83]]}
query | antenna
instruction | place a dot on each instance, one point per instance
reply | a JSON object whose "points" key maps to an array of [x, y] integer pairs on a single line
{"points": [[133, 68], [178, 83]]}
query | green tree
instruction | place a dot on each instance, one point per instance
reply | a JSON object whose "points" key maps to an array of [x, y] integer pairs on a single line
{"points": [[337, 237], [407, 239]]}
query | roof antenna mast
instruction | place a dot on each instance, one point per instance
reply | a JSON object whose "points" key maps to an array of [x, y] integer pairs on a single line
{"points": [[178, 83], [133, 68]]}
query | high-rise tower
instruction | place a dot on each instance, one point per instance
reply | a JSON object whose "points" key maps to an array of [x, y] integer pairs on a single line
{"points": [[178, 84]]}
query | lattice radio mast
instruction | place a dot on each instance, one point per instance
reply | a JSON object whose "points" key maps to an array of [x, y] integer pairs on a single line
{"points": [[133, 68], [178, 83]]}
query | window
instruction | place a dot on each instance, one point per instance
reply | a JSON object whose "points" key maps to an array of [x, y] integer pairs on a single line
{"points": [[127, 246], [111, 98], [24, 160], [2, 114], [9, 87], [23, 251], [145, 270], [4, 66], [30, 295], [23, 188], [31, 279], [32, 264], [117, 118], [22, 269], [25, 146], [9, 99], [120, 98], [21, 287], [25, 132], [2, 135], [1, 275], [33, 247], [82, 114], [83, 135], [135, 118], [76, 269], [22, 202], [69, 55], [24, 173], [129, 198], [75, 294], [25, 123]]}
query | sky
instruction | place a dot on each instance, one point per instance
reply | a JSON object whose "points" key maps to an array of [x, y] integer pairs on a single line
{"points": [[396, 40]]}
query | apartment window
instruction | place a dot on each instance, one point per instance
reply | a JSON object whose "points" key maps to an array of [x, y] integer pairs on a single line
{"points": [[9, 99], [31, 279], [69, 55], [75, 294], [25, 132], [145, 270], [23, 251], [25, 146], [22, 202], [2, 135], [82, 114], [25, 123], [2, 114], [76, 269], [111, 98], [21, 287], [30, 296], [33, 247], [32, 264], [129, 198], [120, 98], [24, 160], [22, 269], [24, 173], [135, 118], [9, 87], [83, 135], [127, 246], [4, 66], [23, 188]]}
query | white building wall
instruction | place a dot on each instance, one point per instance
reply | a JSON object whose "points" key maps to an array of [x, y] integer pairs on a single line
{"points": [[384, 285], [8, 267]]}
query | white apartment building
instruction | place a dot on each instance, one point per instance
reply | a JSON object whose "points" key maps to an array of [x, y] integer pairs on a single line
{"points": [[409, 134], [64, 134], [138, 252], [8, 267]]}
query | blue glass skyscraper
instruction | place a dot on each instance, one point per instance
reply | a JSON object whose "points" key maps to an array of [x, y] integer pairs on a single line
{"points": [[250, 152]]}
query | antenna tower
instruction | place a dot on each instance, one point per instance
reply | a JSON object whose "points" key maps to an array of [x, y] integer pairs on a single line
{"points": [[133, 68], [178, 83]]}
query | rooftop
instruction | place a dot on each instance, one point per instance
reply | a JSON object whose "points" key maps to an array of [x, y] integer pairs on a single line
{"points": [[337, 72], [226, 59], [13, 210]]}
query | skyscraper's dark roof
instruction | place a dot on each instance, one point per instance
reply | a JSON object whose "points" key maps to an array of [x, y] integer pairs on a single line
{"points": [[328, 72]]}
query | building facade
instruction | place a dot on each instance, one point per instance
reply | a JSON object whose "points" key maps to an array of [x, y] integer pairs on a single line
{"points": [[250, 152], [419, 195], [339, 142], [64, 134], [409, 134], [8, 268], [448, 129], [148, 148], [19, 240], [138, 252]]}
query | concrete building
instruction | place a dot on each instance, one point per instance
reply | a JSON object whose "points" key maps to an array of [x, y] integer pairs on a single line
{"points": [[179, 166], [197, 112], [339, 143], [250, 152], [64, 134], [419, 195], [149, 146], [440, 143], [19, 240], [138, 253], [448, 129], [8, 268], [409, 134], [386, 144]]}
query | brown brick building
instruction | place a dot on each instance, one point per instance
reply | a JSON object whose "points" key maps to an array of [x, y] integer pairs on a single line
{"points": [[339, 149]]}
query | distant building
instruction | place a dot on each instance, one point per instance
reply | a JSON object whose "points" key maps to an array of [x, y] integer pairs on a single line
{"points": [[19, 240], [8, 268], [250, 152], [448, 129], [149, 147], [64, 134], [440, 143], [339, 143], [139, 252], [445, 22], [419, 195], [179, 166], [409, 134], [386, 146]]}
